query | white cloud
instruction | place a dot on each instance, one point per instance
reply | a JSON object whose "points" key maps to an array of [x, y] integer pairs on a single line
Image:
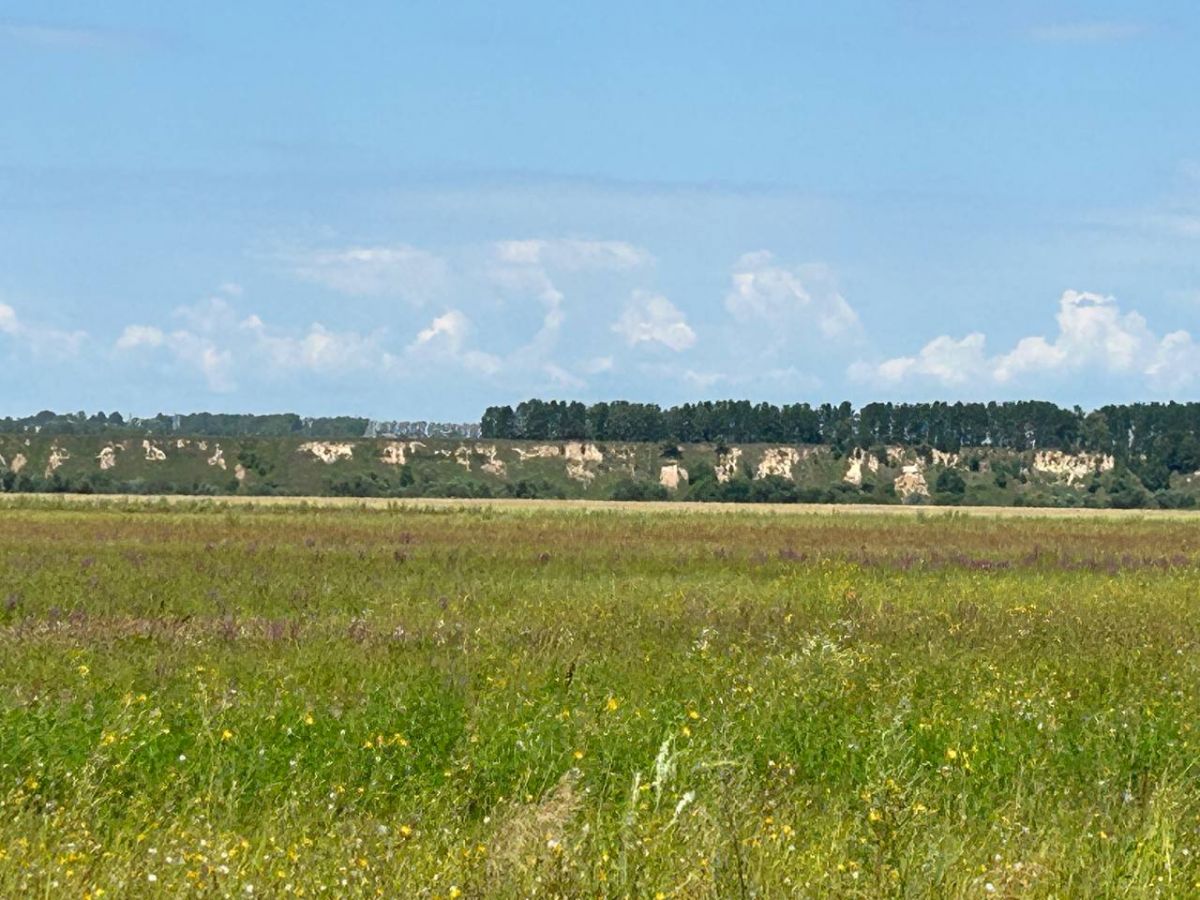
{"points": [[317, 350], [780, 296], [452, 326], [1176, 363], [140, 336], [571, 254], [562, 378], [525, 267], [40, 339], [1086, 32], [187, 348], [445, 339], [652, 318], [219, 345], [943, 359], [1094, 335], [396, 270], [209, 316], [8, 319]]}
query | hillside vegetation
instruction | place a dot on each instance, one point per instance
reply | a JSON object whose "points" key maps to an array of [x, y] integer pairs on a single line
{"points": [[752, 472]]}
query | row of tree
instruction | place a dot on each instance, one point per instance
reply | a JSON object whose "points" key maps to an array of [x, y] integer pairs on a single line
{"points": [[230, 425], [1165, 435]]}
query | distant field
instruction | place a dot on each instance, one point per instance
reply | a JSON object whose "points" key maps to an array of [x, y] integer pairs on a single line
{"points": [[248, 697], [119, 501]]}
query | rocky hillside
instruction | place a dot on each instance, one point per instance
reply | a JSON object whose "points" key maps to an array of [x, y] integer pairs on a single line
{"points": [[432, 467]]}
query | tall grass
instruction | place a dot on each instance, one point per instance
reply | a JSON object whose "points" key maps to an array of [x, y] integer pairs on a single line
{"points": [[445, 703]]}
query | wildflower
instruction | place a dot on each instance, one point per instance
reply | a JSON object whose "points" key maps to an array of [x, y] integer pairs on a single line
{"points": [[874, 815], [951, 754], [83, 671], [455, 893], [578, 754], [406, 830], [693, 715], [308, 718], [612, 704], [227, 735]]}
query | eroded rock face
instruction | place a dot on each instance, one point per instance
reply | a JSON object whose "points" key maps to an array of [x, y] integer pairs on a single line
{"points": [[239, 472], [1072, 467], [672, 475], [107, 457], [542, 451], [327, 451], [153, 453], [577, 451], [727, 465], [949, 460], [581, 460], [858, 461], [911, 483], [492, 463], [395, 453], [58, 456], [19, 462], [778, 461], [462, 456], [218, 458]]}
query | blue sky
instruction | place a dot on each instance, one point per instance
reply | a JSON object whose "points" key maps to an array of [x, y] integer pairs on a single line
{"points": [[415, 210]]}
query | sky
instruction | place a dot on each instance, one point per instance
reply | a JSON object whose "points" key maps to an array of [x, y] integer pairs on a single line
{"points": [[414, 210]]}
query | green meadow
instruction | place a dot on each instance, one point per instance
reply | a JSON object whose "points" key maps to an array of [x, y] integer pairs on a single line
{"points": [[503, 701]]}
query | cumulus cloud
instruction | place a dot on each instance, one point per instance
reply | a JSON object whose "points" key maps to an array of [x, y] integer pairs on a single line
{"points": [[1094, 335], [944, 359], [135, 336], [526, 267], [445, 339], [318, 349], [765, 291], [8, 320], [395, 270], [562, 378], [652, 318], [41, 340], [572, 254], [218, 344]]}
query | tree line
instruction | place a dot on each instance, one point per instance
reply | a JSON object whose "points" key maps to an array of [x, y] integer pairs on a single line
{"points": [[1161, 437], [204, 424]]}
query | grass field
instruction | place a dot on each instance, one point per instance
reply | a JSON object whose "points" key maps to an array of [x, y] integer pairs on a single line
{"points": [[460, 701]]}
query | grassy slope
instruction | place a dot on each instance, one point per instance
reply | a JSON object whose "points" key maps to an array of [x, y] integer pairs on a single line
{"points": [[279, 466], [502, 702]]}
